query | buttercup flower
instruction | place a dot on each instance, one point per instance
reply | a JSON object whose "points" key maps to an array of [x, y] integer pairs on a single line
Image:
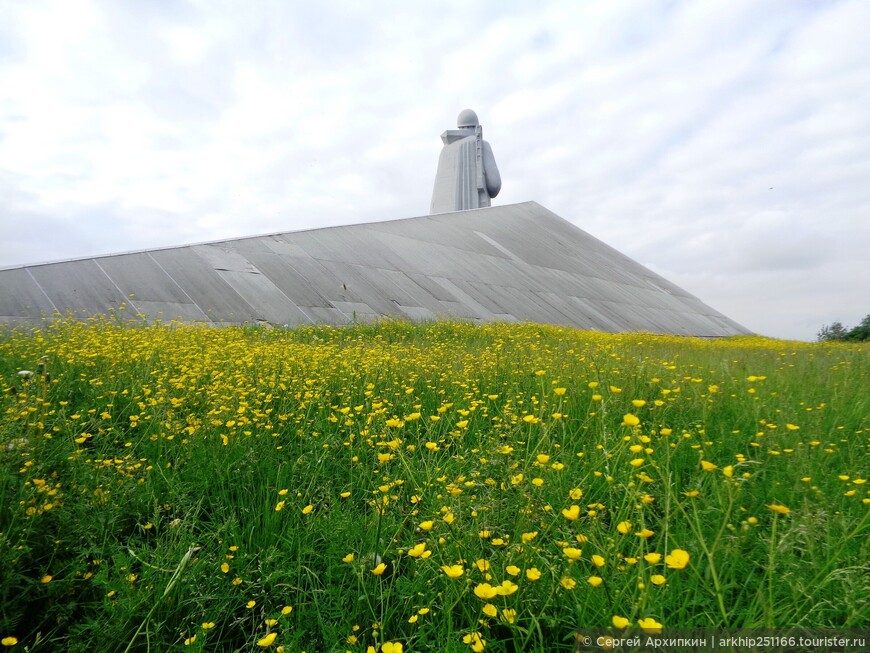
{"points": [[476, 642], [650, 626], [630, 420], [571, 513], [267, 640], [506, 588], [620, 622], [485, 591], [453, 571], [782, 510], [677, 559], [572, 553]]}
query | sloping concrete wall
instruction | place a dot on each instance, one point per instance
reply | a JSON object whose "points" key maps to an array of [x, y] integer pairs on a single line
{"points": [[519, 262]]}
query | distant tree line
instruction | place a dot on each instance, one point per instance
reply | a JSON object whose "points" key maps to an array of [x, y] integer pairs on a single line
{"points": [[836, 331]]}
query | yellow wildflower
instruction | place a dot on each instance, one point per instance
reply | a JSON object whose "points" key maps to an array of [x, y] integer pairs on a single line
{"points": [[453, 571], [677, 559], [571, 513], [650, 626], [572, 553], [475, 641], [506, 588], [266, 641], [630, 420], [485, 591], [779, 508], [620, 622]]}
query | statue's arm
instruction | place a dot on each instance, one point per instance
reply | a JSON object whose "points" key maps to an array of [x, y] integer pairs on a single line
{"points": [[490, 171]]}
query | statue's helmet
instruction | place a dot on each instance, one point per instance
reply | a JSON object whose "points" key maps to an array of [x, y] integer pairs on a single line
{"points": [[467, 120]]}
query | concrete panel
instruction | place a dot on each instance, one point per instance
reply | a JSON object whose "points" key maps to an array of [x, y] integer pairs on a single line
{"points": [[458, 311], [80, 287], [448, 233], [482, 294], [419, 295], [417, 313], [565, 307], [432, 287], [204, 286], [297, 288], [325, 315], [355, 278], [322, 281], [465, 305], [383, 285], [169, 311], [21, 296], [600, 320], [140, 277], [357, 311], [281, 246], [265, 297], [223, 258]]}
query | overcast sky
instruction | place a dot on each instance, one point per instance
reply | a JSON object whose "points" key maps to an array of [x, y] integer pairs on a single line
{"points": [[724, 144]]}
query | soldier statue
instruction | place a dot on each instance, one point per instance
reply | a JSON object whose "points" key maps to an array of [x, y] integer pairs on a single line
{"points": [[467, 175]]}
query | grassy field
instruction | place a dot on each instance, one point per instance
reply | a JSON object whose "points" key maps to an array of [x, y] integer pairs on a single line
{"points": [[438, 487]]}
